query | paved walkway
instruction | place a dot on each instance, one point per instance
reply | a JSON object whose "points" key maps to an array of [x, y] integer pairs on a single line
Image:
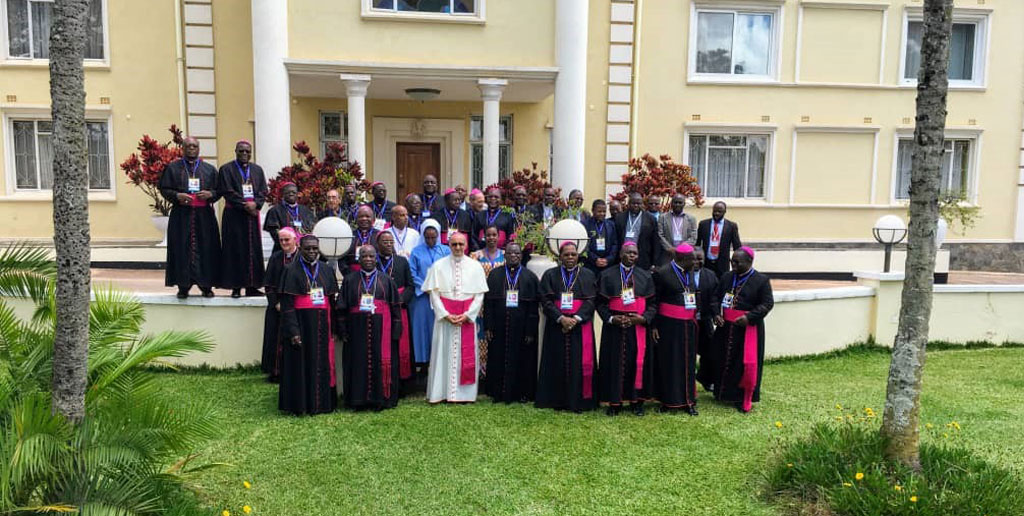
{"points": [[153, 280]]}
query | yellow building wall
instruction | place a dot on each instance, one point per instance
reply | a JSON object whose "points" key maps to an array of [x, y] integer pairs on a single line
{"points": [[833, 168], [232, 42], [141, 83], [516, 33], [668, 104], [597, 101]]}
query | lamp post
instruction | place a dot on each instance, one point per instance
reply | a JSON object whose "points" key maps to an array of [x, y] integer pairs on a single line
{"points": [[570, 230], [889, 230], [335, 239]]}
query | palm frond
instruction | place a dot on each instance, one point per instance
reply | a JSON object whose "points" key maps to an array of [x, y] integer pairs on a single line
{"points": [[115, 317], [45, 509], [169, 344], [26, 271]]}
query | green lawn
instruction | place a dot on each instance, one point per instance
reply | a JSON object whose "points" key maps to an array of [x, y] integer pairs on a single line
{"points": [[496, 459]]}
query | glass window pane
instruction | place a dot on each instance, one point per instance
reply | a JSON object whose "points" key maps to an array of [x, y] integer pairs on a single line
{"points": [[99, 157], [425, 6], [504, 161], [25, 154], [464, 6], [756, 165], [714, 42], [476, 128], [330, 126], [752, 50], [505, 129], [912, 63], [384, 4], [960, 164], [94, 31], [17, 29], [904, 155], [698, 146], [961, 52], [727, 169], [45, 160], [41, 12], [728, 140], [477, 157]]}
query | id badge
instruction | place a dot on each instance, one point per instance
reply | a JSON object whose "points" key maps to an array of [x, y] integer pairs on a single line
{"points": [[378, 224], [567, 299], [628, 297], [297, 224], [425, 214], [631, 235], [690, 301], [727, 300], [451, 233], [193, 185], [366, 303], [599, 244], [316, 295], [247, 192], [511, 299]]}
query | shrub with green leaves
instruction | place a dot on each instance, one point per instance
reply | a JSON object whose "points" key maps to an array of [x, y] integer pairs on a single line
{"points": [[133, 453]]}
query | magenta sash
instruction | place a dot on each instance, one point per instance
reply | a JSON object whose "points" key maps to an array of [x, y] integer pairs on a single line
{"points": [[638, 306], [588, 351], [404, 349], [384, 309], [467, 371], [196, 202], [749, 378], [306, 303], [677, 312]]}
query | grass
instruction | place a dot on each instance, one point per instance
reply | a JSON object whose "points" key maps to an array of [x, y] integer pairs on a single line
{"points": [[488, 459]]}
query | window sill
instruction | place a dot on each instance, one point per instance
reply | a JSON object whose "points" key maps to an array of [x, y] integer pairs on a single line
{"points": [[730, 80], [47, 196], [88, 64], [743, 202], [465, 19], [953, 86]]}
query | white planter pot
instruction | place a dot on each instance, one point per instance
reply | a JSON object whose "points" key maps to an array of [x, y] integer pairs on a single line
{"points": [[942, 227], [539, 264], [160, 223]]}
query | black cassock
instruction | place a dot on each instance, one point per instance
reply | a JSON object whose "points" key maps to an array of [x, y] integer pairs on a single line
{"points": [[627, 368], [708, 284], [397, 268], [242, 261], [675, 374], [369, 358], [193, 242], [280, 216], [568, 361], [307, 371], [737, 361], [461, 221], [272, 318], [512, 349]]}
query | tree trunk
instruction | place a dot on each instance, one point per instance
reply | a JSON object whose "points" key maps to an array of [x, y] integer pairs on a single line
{"points": [[70, 207], [902, 399]]}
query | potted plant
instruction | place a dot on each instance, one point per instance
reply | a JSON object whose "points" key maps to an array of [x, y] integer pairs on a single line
{"points": [[315, 177], [661, 177], [530, 234], [144, 169]]}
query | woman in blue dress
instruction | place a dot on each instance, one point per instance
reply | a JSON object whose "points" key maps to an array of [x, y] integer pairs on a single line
{"points": [[423, 256]]}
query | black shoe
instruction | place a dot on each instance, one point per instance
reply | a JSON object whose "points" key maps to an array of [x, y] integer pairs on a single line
{"points": [[253, 292], [739, 407], [207, 292], [182, 294], [235, 293], [638, 409], [691, 410], [612, 410]]}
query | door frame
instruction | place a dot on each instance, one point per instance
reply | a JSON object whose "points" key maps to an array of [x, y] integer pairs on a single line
{"points": [[388, 132]]}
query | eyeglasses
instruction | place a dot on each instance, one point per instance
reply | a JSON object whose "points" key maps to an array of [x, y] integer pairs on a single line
{"points": [[457, 244]]}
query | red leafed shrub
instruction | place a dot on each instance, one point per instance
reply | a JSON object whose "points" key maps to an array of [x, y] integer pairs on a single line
{"points": [[315, 177], [535, 181], [145, 167], [660, 177]]}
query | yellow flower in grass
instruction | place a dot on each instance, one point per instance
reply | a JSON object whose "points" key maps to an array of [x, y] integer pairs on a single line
{"points": [[913, 499], [859, 476], [789, 464], [847, 484], [246, 509], [225, 512], [778, 424], [897, 487], [839, 418], [839, 407], [955, 425], [929, 426], [944, 435], [247, 484]]}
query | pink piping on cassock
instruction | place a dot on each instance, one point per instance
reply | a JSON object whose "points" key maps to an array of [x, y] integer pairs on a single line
{"points": [[382, 308], [638, 306], [467, 371], [749, 378], [404, 347], [306, 303], [588, 351]]}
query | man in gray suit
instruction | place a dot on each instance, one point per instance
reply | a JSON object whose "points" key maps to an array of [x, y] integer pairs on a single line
{"points": [[676, 227]]}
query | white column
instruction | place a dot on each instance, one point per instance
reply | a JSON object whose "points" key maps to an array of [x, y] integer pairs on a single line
{"points": [[569, 133], [490, 91], [355, 89], [271, 93]]}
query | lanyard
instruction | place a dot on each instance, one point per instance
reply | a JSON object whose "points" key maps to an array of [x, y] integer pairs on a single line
{"points": [[600, 227], [415, 221], [451, 218], [400, 240], [626, 274], [243, 171], [632, 223], [677, 222], [312, 278], [684, 277], [513, 282], [380, 214], [386, 267], [363, 239], [491, 219], [428, 200], [570, 281], [741, 280], [293, 214], [191, 173], [369, 282]]}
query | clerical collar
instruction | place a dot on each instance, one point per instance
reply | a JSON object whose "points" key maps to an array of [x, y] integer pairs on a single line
{"points": [[291, 205]]}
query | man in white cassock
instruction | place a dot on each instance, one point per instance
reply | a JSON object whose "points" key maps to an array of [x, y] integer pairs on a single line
{"points": [[456, 285]]}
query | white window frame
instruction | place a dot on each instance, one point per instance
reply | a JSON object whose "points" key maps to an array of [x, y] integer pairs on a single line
{"points": [[9, 60], [973, 160], [981, 18], [38, 194], [368, 12], [501, 143], [768, 130], [322, 140], [772, 7]]}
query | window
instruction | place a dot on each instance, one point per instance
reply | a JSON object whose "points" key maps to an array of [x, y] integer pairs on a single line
{"points": [[427, 6], [333, 129], [966, 51], [33, 154], [740, 44], [476, 144], [28, 29], [956, 167], [729, 165]]}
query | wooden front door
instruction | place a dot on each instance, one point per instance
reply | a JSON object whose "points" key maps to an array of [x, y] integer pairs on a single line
{"points": [[414, 162]]}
